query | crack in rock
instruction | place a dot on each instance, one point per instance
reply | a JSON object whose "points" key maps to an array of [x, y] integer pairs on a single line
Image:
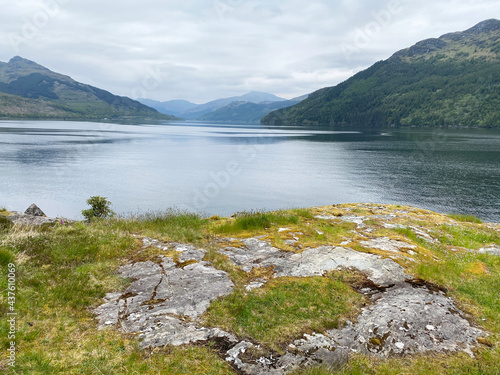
{"points": [[161, 297], [163, 303]]}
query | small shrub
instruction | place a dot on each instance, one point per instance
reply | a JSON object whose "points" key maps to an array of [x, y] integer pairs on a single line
{"points": [[5, 224], [99, 208], [6, 257]]}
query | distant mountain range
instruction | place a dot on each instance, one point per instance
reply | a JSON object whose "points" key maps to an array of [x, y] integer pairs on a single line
{"points": [[29, 90], [450, 81], [248, 108]]}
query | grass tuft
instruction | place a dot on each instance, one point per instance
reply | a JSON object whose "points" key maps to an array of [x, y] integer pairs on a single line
{"points": [[255, 221], [172, 224], [285, 308], [466, 218]]}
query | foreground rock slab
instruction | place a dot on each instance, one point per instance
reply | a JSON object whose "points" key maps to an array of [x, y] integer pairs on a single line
{"points": [[165, 301], [315, 262], [163, 298]]}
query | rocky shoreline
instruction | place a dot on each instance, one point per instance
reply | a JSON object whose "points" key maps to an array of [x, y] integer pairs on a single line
{"points": [[167, 297], [33, 215], [170, 292]]}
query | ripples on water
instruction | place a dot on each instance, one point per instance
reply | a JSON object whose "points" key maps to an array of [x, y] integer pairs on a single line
{"points": [[221, 169]]}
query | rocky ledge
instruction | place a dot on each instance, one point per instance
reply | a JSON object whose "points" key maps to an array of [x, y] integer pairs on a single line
{"points": [[169, 294], [32, 216]]}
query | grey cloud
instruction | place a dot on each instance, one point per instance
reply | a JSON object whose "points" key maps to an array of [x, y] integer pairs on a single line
{"points": [[215, 48]]}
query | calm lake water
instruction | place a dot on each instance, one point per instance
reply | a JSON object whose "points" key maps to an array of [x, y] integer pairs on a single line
{"points": [[222, 169]]}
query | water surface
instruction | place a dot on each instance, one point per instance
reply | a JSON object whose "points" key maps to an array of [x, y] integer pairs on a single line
{"points": [[222, 169]]}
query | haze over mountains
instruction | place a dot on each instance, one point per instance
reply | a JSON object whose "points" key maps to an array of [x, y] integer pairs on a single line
{"points": [[453, 80], [29, 90], [248, 108]]}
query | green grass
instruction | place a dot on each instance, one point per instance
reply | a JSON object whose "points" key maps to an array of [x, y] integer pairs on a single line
{"points": [[64, 270], [5, 224], [173, 224], [284, 309], [466, 218], [254, 221], [468, 237]]}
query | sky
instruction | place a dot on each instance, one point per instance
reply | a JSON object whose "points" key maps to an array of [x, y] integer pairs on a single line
{"points": [[201, 50]]}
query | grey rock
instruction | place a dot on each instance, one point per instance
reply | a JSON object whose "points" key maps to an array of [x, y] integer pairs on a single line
{"points": [[188, 291], [492, 250], [315, 262], [164, 302], [408, 320], [386, 244], [22, 219], [34, 210], [192, 254], [159, 299], [255, 284], [333, 359], [359, 220], [108, 313], [423, 234], [172, 331]]}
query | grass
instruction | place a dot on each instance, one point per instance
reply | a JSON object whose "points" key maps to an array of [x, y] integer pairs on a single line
{"points": [[64, 270], [466, 218], [255, 221], [285, 309], [173, 224], [5, 224], [467, 237]]}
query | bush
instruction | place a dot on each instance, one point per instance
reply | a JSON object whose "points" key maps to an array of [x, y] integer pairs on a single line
{"points": [[5, 224], [99, 208]]}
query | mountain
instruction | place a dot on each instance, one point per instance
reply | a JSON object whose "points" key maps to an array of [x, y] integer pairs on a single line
{"points": [[245, 112], [29, 90], [453, 80], [172, 107], [190, 111], [252, 97]]}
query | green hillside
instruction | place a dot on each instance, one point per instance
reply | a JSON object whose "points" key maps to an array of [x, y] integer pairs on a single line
{"points": [[245, 112], [450, 81], [29, 90]]}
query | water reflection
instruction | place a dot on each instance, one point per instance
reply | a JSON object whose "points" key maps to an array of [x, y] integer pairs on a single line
{"points": [[143, 167]]}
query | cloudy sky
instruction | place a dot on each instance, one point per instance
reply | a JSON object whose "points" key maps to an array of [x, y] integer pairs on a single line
{"points": [[202, 50]]}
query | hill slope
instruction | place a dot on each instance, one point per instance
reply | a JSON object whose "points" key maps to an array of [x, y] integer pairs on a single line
{"points": [[450, 81], [192, 111], [245, 112], [171, 107], [29, 90]]}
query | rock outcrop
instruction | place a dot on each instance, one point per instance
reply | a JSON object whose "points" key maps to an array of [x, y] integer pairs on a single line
{"points": [[166, 299], [34, 210], [32, 216]]}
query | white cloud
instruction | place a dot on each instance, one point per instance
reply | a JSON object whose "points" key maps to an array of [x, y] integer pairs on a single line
{"points": [[202, 50]]}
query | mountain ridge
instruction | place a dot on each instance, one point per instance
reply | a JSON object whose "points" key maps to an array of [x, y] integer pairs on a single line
{"points": [[453, 80], [192, 111], [30, 90]]}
